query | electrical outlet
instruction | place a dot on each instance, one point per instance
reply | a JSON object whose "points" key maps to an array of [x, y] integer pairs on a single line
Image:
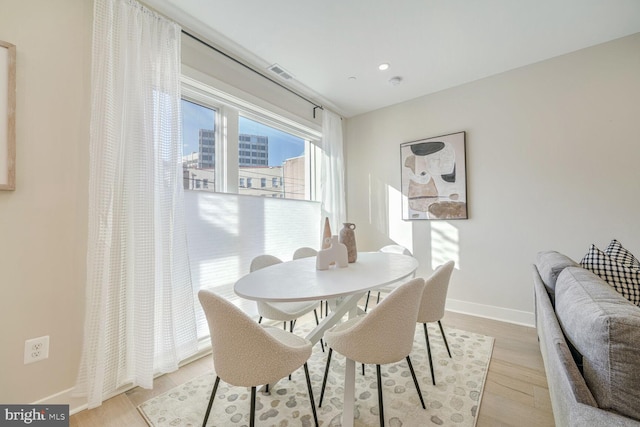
{"points": [[36, 349]]}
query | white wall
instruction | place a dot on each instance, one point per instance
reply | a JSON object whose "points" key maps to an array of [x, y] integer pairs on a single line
{"points": [[43, 223], [552, 163]]}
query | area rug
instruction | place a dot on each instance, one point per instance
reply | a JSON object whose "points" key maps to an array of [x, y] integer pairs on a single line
{"points": [[454, 401]]}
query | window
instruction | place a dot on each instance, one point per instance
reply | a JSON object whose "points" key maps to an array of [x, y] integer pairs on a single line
{"points": [[284, 154], [198, 145], [267, 145], [249, 146]]}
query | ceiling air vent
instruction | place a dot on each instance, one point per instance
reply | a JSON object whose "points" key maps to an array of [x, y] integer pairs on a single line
{"points": [[275, 68]]}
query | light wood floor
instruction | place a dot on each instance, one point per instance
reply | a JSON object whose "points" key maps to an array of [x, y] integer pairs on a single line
{"points": [[515, 393]]}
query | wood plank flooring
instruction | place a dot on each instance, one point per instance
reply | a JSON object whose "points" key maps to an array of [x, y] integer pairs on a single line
{"points": [[515, 393]]}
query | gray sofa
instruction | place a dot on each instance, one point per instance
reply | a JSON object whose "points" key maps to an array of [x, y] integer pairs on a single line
{"points": [[590, 341]]}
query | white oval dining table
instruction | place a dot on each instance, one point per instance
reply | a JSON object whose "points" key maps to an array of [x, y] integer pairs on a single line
{"points": [[299, 280]]}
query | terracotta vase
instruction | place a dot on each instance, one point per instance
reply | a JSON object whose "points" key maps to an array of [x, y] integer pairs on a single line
{"points": [[326, 235], [348, 238]]}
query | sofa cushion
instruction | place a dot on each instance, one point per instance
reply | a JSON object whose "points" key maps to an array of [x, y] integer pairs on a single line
{"points": [[621, 255], [605, 328], [625, 279], [550, 264]]}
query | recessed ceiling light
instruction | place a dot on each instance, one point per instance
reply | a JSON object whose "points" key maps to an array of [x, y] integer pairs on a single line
{"points": [[383, 66], [352, 78]]}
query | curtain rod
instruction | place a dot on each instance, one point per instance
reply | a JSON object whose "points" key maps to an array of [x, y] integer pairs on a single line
{"points": [[315, 106]]}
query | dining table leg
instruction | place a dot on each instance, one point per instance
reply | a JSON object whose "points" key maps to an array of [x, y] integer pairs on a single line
{"points": [[349, 392], [349, 381]]}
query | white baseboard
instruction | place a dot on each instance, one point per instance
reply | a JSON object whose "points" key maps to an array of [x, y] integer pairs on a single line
{"points": [[77, 404], [509, 315], [65, 397]]}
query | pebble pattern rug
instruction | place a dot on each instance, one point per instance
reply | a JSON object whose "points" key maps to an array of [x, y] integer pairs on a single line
{"points": [[454, 401]]}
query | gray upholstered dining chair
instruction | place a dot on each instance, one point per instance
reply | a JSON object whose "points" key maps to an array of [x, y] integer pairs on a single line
{"points": [[385, 335], [246, 354], [432, 305]]}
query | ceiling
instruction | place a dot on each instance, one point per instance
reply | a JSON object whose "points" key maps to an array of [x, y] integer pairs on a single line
{"points": [[333, 47]]}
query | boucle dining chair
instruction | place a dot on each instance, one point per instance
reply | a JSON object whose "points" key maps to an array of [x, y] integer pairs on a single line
{"points": [[385, 335], [391, 249], [246, 354], [282, 311], [306, 252], [432, 305]]}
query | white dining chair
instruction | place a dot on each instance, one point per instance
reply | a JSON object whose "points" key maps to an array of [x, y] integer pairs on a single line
{"points": [[282, 311], [432, 305], [246, 354], [385, 335], [391, 249], [306, 252]]}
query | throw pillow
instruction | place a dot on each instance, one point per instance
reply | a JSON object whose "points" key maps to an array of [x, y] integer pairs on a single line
{"points": [[621, 255], [624, 279]]}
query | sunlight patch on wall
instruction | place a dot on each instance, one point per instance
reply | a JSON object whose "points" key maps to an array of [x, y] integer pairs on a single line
{"points": [[401, 232], [378, 205], [445, 244]]}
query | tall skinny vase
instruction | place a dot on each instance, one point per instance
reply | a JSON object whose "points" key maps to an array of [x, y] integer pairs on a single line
{"points": [[348, 238], [326, 235]]}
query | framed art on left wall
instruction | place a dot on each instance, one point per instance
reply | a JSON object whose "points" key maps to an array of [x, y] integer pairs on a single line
{"points": [[434, 178], [7, 116]]}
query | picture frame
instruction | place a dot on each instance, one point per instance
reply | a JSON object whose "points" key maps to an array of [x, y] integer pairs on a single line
{"points": [[434, 178], [7, 116]]}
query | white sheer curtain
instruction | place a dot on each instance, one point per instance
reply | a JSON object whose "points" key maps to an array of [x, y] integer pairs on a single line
{"points": [[140, 304], [332, 192]]}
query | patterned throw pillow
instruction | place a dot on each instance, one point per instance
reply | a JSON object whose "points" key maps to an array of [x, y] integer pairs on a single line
{"points": [[624, 279], [621, 255]]}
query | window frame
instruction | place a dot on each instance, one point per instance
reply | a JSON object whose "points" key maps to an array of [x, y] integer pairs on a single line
{"points": [[229, 108]]}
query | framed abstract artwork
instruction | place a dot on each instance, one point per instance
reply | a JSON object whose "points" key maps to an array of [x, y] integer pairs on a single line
{"points": [[7, 115], [434, 178]]}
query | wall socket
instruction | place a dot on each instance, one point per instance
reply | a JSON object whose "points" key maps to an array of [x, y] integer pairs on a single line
{"points": [[36, 349]]}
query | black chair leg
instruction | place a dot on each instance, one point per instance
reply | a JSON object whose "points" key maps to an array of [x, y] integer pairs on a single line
{"points": [[426, 337], [415, 381], [252, 416], [444, 337], [378, 300], [326, 374], [363, 369], [213, 396], [313, 403], [380, 403], [260, 319], [366, 304]]}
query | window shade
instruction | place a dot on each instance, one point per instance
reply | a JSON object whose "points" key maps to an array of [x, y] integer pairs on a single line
{"points": [[226, 231]]}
